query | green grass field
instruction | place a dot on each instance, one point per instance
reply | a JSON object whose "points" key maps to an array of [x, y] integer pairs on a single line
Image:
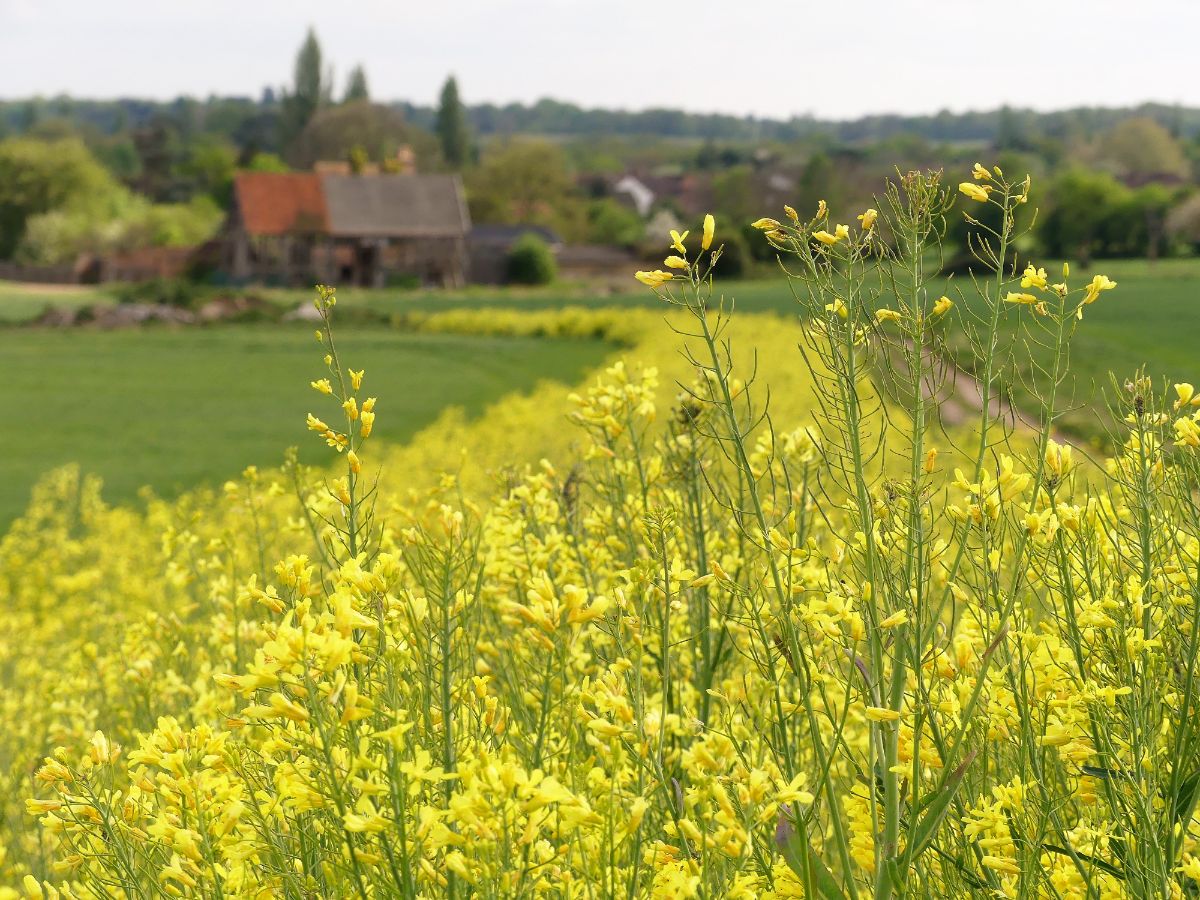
{"points": [[24, 302], [176, 408], [195, 405], [1151, 320]]}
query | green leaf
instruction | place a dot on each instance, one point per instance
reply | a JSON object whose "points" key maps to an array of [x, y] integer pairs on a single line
{"points": [[796, 852], [1185, 799], [921, 835], [1103, 772], [1087, 858]]}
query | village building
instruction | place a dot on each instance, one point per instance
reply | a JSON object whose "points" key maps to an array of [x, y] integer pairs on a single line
{"points": [[346, 229], [688, 193], [491, 245], [634, 191]]}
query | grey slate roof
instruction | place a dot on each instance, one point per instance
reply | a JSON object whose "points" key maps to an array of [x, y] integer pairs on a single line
{"points": [[395, 205]]}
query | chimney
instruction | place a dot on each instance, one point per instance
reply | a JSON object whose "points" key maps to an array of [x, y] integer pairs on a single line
{"points": [[406, 160]]}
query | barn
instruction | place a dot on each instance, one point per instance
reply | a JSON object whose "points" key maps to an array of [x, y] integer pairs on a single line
{"points": [[346, 229]]}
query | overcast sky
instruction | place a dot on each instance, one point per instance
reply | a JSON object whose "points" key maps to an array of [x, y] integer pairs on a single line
{"points": [[774, 58]]}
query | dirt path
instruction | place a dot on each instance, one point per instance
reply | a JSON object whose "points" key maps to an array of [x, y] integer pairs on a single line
{"points": [[958, 396]]}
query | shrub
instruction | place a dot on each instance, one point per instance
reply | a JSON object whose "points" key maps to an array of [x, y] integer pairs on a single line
{"points": [[403, 281], [57, 204], [610, 222], [41, 177], [531, 261], [171, 291]]}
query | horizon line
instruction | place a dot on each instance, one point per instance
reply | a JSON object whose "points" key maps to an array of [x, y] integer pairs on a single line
{"points": [[751, 116]]}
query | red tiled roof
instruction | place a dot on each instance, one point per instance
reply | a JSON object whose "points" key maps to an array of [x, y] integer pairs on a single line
{"points": [[281, 203]]}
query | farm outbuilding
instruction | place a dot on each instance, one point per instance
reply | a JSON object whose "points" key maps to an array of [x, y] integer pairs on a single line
{"points": [[342, 229], [490, 245]]}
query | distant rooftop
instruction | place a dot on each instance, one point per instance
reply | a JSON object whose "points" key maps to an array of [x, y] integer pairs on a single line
{"points": [[375, 205], [275, 203], [395, 205]]}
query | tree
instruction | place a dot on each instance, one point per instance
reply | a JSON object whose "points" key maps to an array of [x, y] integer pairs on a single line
{"points": [[118, 154], [39, 177], [819, 181], [267, 162], [1137, 225], [208, 167], [310, 89], [57, 202], [611, 222], [1012, 132], [356, 89], [378, 130], [735, 195], [127, 221], [526, 182], [1079, 223], [1183, 222], [1141, 148], [158, 150], [452, 128]]}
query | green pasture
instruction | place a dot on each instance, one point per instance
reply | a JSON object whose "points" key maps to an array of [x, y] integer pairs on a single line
{"points": [[173, 408], [1151, 320], [24, 302]]}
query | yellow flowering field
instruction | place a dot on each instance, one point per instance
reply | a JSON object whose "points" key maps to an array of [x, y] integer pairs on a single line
{"points": [[745, 615]]}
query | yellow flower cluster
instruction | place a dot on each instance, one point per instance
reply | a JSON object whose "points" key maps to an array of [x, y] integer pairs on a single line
{"points": [[702, 646]]}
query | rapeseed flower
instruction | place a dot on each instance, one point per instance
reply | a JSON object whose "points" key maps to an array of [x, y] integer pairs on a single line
{"points": [[683, 645], [654, 279], [840, 233], [1098, 284], [974, 191]]}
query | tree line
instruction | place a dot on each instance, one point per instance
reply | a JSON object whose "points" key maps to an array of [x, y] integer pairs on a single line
{"points": [[241, 118], [81, 176]]}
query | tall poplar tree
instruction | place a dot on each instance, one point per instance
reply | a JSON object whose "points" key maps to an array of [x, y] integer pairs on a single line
{"points": [[452, 126], [356, 88], [309, 89]]}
